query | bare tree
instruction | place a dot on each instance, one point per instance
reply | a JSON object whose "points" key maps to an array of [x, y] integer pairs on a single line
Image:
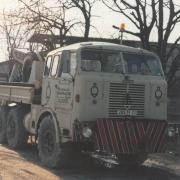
{"points": [[15, 36], [146, 15], [14, 33], [85, 6], [42, 16]]}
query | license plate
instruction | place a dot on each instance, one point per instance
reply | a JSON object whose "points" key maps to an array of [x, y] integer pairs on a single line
{"points": [[126, 112]]}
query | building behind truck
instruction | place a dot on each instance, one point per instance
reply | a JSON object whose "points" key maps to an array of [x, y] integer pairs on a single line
{"points": [[100, 98]]}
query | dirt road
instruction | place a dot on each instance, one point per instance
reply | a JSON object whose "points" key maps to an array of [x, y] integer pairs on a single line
{"points": [[22, 165]]}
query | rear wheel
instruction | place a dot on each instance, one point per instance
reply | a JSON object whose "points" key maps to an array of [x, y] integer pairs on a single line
{"points": [[52, 154], [3, 122], [16, 133]]}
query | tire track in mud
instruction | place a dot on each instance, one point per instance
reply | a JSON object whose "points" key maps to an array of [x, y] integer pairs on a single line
{"points": [[25, 165], [14, 166]]}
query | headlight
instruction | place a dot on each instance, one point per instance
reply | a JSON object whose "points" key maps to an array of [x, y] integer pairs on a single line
{"points": [[171, 132], [86, 132]]}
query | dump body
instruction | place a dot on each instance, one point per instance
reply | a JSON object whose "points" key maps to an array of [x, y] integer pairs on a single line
{"points": [[17, 92]]}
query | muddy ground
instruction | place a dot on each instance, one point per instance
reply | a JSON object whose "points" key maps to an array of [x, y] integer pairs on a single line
{"points": [[25, 164]]}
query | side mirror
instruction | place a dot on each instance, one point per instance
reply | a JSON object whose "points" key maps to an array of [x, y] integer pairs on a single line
{"points": [[65, 57]]}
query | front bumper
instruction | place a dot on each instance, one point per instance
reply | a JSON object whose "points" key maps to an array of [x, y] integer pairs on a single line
{"points": [[120, 136]]}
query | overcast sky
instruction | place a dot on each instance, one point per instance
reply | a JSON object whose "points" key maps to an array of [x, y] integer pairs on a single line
{"points": [[104, 20]]}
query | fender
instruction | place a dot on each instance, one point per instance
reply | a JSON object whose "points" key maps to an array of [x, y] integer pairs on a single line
{"points": [[47, 112]]}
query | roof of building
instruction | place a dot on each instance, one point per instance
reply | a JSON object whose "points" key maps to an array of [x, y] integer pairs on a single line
{"points": [[67, 40], [44, 38]]}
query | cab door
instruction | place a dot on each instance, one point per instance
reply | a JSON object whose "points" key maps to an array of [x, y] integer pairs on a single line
{"points": [[58, 84], [46, 84], [64, 86]]}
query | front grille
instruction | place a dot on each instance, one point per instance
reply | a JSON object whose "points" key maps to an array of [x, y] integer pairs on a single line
{"points": [[118, 98]]}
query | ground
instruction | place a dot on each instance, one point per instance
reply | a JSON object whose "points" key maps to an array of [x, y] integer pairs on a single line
{"points": [[25, 164]]}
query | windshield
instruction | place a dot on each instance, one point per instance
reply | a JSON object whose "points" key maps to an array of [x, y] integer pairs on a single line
{"points": [[142, 64], [101, 61], [93, 60]]}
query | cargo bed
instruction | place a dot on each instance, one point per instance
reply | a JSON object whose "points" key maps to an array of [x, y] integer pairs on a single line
{"points": [[17, 92]]}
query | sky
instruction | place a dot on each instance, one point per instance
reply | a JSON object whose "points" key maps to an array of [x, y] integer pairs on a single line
{"points": [[103, 21]]}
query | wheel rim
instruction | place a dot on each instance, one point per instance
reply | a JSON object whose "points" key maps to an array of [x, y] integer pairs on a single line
{"points": [[11, 128], [48, 143]]}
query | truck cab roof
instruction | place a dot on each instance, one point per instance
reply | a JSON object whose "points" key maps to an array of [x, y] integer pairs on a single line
{"points": [[102, 45]]}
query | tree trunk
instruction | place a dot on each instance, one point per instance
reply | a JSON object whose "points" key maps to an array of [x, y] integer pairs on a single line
{"points": [[145, 41], [160, 30], [87, 29]]}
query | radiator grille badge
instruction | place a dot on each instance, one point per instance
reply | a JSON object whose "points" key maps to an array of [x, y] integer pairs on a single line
{"points": [[94, 90]]}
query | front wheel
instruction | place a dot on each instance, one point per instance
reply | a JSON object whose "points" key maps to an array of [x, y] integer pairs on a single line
{"points": [[52, 154]]}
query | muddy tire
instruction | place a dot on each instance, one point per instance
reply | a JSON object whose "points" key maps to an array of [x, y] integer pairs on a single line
{"points": [[51, 153], [16, 133], [3, 122]]}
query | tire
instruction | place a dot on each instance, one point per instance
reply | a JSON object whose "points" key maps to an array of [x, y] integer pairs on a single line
{"points": [[16, 133], [52, 154], [3, 122]]}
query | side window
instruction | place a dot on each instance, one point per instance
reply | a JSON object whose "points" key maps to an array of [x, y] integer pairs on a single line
{"points": [[48, 66], [55, 65], [69, 63], [73, 64]]}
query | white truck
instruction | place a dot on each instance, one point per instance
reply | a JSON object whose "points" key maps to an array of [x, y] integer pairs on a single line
{"points": [[104, 99]]}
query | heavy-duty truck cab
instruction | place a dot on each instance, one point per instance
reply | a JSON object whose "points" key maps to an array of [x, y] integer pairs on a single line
{"points": [[103, 98]]}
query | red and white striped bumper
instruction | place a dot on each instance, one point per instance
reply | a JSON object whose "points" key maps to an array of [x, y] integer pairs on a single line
{"points": [[130, 136]]}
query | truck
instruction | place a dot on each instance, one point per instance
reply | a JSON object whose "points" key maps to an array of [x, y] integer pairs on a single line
{"points": [[106, 100]]}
